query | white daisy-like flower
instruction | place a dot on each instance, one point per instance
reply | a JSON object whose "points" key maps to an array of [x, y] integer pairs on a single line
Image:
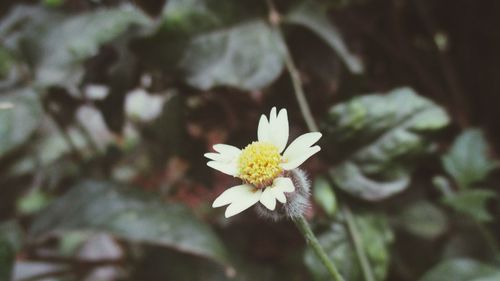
{"points": [[262, 165]]}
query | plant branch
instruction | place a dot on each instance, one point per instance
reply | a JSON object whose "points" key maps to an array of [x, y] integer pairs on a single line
{"points": [[305, 229]]}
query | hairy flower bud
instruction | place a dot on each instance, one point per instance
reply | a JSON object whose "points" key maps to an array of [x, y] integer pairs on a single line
{"points": [[297, 202]]}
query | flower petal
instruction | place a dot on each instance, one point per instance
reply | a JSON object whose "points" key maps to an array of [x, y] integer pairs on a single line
{"points": [[215, 156], [280, 196], [280, 186], [295, 162], [263, 129], [249, 198], [268, 199], [283, 185], [280, 130], [276, 130], [297, 151], [227, 149], [227, 168], [225, 160], [272, 115], [232, 194]]}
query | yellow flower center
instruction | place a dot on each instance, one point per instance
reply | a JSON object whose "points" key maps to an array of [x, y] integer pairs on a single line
{"points": [[259, 164]]}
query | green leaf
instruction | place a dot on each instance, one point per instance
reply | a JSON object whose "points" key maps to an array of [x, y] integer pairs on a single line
{"points": [[423, 219], [215, 43], [467, 161], [10, 242], [129, 214], [471, 203], [19, 120], [310, 15], [57, 45], [323, 195], [376, 237], [248, 56], [32, 202], [381, 137], [460, 269]]}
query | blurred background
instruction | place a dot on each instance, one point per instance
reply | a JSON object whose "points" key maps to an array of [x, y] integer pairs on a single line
{"points": [[107, 107]]}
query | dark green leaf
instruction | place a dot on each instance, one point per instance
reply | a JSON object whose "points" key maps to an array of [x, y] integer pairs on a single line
{"points": [[19, 119], [381, 137], [472, 203], [423, 219], [325, 197], [313, 17], [57, 45], [248, 56], [376, 237], [10, 243], [130, 215], [460, 270], [468, 161], [215, 43]]}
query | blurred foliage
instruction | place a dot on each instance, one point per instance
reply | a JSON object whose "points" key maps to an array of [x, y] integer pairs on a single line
{"points": [[107, 106]]}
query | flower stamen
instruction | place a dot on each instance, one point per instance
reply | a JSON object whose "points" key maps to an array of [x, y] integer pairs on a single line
{"points": [[259, 164]]}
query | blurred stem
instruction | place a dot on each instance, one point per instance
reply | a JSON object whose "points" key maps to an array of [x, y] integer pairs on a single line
{"points": [[299, 92], [305, 229], [275, 18], [71, 145], [358, 244]]}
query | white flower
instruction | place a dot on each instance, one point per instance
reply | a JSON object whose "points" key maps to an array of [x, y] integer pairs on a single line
{"points": [[262, 164]]}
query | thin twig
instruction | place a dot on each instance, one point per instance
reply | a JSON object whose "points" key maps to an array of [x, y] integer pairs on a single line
{"points": [[358, 244]]}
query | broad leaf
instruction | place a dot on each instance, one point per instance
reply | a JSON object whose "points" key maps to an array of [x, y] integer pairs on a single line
{"points": [[312, 16], [57, 45], [215, 43], [129, 214], [376, 237], [461, 270], [377, 139], [423, 219], [468, 161], [248, 56], [18, 120], [472, 203]]}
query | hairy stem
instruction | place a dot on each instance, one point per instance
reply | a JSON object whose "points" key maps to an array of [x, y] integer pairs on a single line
{"points": [[305, 229]]}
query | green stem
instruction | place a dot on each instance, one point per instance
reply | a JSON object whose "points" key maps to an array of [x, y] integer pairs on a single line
{"points": [[313, 127], [358, 244], [305, 229]]}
